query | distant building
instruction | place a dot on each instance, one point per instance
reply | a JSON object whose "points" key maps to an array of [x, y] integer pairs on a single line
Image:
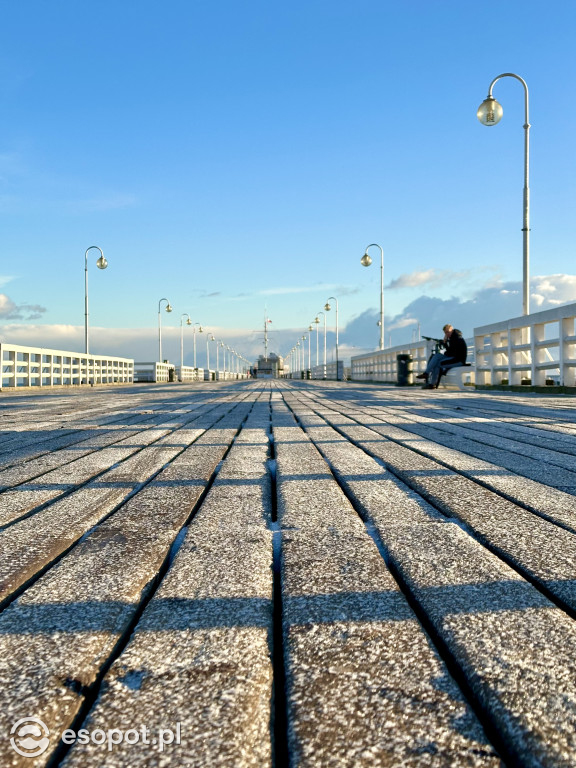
{"points": [[271, 367]]}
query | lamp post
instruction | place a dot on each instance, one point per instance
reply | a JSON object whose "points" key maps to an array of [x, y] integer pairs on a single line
{"points": [[101, 264], [209, 337], [327, 307], [316, 322], [199, 331], [168, 309], [366, 261], [309, 345], [188, 322], [490, 113]]}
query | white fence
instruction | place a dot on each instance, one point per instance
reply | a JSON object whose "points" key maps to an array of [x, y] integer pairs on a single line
{"points": [[330, 372], [187, 374], [166, 372], [159, 372], [381, 365], [39, 367], [230, 375], [535, 349]]}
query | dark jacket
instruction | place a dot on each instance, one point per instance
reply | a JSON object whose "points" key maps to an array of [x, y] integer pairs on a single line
{"points": [[456, 346]]}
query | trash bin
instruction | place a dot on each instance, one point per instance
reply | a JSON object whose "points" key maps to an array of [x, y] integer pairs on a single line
{"points": [[404, 367]]}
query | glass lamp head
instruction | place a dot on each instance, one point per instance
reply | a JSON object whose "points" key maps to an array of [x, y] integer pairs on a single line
{"points": [[327, 307], [317, 320], [200, 330], [188, 322], [490, 111], [366, 260], [168, 308], [102, 263]]}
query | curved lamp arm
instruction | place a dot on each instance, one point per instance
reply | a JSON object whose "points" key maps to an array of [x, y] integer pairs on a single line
{"points": [[366, 261], [101, 264], [490, 113]]}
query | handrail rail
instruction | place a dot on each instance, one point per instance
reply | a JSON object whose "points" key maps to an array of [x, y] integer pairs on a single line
{"points": [[536, 349], [23, 366]]}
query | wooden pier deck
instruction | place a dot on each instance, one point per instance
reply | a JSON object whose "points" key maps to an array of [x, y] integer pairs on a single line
{"points": [[287, 574]]}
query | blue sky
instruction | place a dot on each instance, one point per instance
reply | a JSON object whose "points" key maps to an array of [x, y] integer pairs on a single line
{"points": [[238, 156]]}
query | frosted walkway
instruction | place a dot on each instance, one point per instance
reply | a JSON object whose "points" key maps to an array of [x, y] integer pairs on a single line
{"points": [[287, 573]]}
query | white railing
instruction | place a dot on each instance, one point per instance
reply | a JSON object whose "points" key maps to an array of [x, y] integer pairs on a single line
{"points": [[158, 372], [186, 374], [330, 372], [229, 376], [39, 367], [382, 364], [536, 349]]}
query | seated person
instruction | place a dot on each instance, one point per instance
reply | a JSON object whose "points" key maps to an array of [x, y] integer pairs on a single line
{"points": [[456, 351]]}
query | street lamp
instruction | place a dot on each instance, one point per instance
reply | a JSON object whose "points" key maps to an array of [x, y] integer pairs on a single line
{"points": [[317, 320], [209, 337], [327, 307], [101, 264], [490, 113], [199, 331], [366, 261], [168, 309], [309, 345], [188, 322]]}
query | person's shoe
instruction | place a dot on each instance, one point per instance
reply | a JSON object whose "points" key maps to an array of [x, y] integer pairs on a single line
{"points": [[422, 376], [428, 386]]}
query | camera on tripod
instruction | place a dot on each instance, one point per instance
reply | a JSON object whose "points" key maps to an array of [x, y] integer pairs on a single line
{"points": [[438, 343]]}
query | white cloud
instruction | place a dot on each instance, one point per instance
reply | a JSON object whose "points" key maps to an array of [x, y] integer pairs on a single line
{"points": [[297, 289], [429, 277], [554, 289], [488, 304], [141, 344], [11, 311], [499, 301], [403, 322]]}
